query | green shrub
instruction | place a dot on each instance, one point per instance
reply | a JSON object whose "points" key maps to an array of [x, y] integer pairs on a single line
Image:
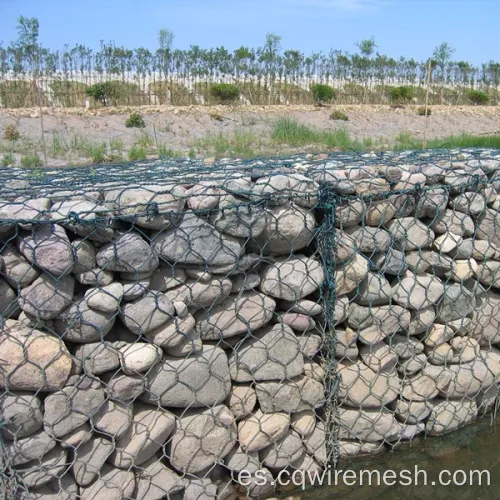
{"points": [[400, 94], [164, 152], [103, 92], [322, 93], [421, 111], [339, 115], [478, 97], [225, 92], [135, 120], [137, 153], [11, 133], [30, 161], [8, 160]]}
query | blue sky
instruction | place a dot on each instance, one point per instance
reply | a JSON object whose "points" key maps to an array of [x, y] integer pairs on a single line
{"points": [[401, 27]]}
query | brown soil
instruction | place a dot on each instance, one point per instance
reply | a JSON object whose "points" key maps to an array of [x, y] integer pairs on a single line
{"points": [[178, 128]]}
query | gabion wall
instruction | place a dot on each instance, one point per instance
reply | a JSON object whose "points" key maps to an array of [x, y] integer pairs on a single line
{"points": [[166, 326]]}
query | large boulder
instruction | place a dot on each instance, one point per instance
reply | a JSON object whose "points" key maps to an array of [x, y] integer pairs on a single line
{"points": [[194, 241], [197, 380], [32, 360], [272, 353], [202, 438]]}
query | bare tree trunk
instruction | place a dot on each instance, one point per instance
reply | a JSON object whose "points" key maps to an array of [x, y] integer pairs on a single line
{"points": [[429, 70]]}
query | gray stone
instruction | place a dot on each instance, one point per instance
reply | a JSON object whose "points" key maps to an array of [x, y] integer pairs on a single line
{"points": [[304, 422], [292, 278], [272, 353], [486, 319], [106, 298], [147, 313], [195, 241], [71, 407], [439, 355], [276, 188], [410, 412], [127, 253], [202, 438], [379, 213], [390, 262], [49, 248], [376, 323], [8, 300], [315, 444], [349, 213], [412, 365], [302, 306], [133, 203], [310, 344], [349, 275], [63, 488], [421, 320], [80, 324], [173, 333], [16, 270], [166, 277], [373, 290], [369, 425], [46, 298], [203, 196], [379, 357], [405, 347], [260, 430], [287, 230], [360, 386], [467, 379], [113, 418], [431, 203], [241, 401], [201, 295], [453, 222], [446, 416], [370, 239], [409, 234], [487, 226], [234, 316], [238, 459], [98, 357], [239, 219], [457, 302], [426, 384], [85, 256], [418, 291], [39, 472], [89, 459], [469, 203], [112, 484], [346, 346], [280, 454], [150, 428], [290, 396], [21, 415], [75, 438], [488, 273], [344, 246], [87, 212], [245, 282], [156, 481], [125, 387], [95, 277], [198, 380], [32, 360], [138, 357], [24, 450]]}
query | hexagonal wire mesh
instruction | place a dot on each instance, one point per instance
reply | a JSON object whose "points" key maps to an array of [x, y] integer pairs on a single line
{"points": [[209, 326]]}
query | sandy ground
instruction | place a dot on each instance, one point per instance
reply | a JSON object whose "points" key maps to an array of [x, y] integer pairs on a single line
{"points": [[180, 129]]}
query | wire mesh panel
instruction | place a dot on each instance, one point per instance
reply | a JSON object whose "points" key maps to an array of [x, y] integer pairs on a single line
{"points": [[179, 330]]}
